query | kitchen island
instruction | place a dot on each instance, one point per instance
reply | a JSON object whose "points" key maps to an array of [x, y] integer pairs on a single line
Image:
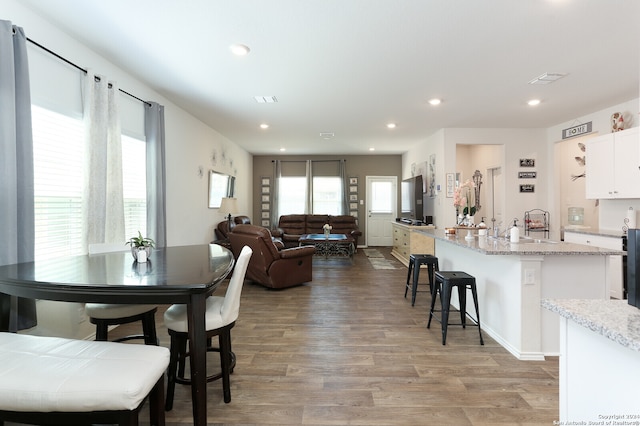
{"points": [[600, 348], [513, 278]]}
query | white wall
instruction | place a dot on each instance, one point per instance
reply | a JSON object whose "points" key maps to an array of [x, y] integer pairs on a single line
{"points": [[189, 142], [189, 147], [538, 144], [518, 144], [610, 212]]}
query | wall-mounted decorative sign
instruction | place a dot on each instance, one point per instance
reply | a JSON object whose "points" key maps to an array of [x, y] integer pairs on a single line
{"points": [[527, 162], [578, 130], [527, 175], [451, 184], [527, 188]]}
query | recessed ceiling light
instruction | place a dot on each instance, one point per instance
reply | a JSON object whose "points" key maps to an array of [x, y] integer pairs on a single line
{"points": [[435, 101], [264, 126], [239, 49], [283, 149], [372, 149], [391, 126], [533, 102]]}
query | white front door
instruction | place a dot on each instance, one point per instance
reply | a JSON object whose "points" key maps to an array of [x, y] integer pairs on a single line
{"points": [[381, 209]]}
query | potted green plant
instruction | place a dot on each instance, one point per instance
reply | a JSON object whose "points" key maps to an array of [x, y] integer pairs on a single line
{"points": [[141, 244]]}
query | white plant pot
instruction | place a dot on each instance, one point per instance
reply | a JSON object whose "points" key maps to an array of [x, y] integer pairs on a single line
{"points": [[141, 254]]}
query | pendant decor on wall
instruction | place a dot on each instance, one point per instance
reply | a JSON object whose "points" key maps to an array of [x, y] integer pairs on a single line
{"points": [[477, 180]]}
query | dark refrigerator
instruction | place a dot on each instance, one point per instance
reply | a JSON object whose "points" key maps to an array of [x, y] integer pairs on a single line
{"points": [[633, 267]]}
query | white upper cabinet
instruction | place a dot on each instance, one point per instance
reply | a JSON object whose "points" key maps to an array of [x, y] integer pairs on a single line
{"points": [[613, 165]]}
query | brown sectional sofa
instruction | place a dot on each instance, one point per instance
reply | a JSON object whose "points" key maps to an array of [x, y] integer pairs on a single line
{"points": [[292, 226]]}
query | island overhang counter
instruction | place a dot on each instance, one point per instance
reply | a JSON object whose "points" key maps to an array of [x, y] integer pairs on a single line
{"points": [[513, 278]]}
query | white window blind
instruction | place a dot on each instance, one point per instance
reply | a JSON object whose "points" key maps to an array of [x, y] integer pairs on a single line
{"points": [[292, 194], [58, 149], [134, 175], [327, 195]]}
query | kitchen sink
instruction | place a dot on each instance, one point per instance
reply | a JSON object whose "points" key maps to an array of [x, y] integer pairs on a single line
{"points": [[524, 240]]}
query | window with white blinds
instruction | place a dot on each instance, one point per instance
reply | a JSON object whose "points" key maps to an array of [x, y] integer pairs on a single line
{"points": [[58, 150], [134, 175]]}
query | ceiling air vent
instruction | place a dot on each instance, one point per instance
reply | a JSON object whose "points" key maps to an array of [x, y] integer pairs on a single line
{"points": [[327, 135], [547, 78], [265, 99]]}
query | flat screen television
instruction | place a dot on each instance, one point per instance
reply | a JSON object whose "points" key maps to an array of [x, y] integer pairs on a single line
{"points": [[411, 200]]}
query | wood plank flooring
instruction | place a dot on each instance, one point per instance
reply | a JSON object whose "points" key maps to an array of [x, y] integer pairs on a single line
{"points": [[349, 349]]}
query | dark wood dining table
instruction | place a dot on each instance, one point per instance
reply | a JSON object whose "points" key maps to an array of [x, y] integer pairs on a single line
{"points": [[183, 274]]}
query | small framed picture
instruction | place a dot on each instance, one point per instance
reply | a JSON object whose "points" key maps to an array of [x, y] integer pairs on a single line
{"points": [[265, 206], [353, 189], [451, 184], [353, 197], [266, 189], [527, 162], [265, 223], [527, 175], [354, 214], [265, 215], [265, 198], [353, 181], [266, 181], [353, 206], [527, 188]]}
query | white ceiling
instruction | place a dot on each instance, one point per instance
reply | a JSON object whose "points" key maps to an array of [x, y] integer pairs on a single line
{"points": [[351, 66]]}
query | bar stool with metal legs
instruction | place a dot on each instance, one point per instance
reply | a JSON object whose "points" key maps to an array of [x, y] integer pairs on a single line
{"points": [[415, 261], [444, 281]]}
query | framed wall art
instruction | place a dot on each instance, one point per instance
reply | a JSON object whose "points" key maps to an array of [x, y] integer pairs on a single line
{"points": [[527, 175], [451, 184], [527, 188]]}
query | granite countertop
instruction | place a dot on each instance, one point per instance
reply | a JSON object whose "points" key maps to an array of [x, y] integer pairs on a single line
{"points": [[614, 319], [501, 246]]}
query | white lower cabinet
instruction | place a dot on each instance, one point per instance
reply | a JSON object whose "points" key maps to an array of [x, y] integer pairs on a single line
{"points": [[615, 265]]}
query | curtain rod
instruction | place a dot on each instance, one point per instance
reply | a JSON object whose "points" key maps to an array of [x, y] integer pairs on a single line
{"points": [[51, 52]]}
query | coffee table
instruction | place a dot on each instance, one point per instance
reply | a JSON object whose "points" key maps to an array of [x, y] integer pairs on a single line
{"points": [[330, 245]]}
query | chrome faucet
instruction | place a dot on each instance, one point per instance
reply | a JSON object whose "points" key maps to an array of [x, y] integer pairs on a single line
{"points": [[495, 228]]}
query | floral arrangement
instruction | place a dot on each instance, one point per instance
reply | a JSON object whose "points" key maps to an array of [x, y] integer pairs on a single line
{"points": [[464, 198], [327, 227]]}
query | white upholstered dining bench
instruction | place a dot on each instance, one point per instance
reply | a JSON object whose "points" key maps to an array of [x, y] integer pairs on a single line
{"points": [[50, 380]]}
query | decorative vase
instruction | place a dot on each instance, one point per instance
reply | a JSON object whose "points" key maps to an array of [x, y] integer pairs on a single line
{"points": [[327, 232], [141, 254]]}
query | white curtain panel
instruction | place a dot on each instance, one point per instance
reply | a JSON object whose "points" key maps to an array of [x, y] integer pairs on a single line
{"points": [[103, 201]]}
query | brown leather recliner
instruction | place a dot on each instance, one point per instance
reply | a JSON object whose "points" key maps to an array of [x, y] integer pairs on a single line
{"points": [[222, 230], [269, 266]]}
